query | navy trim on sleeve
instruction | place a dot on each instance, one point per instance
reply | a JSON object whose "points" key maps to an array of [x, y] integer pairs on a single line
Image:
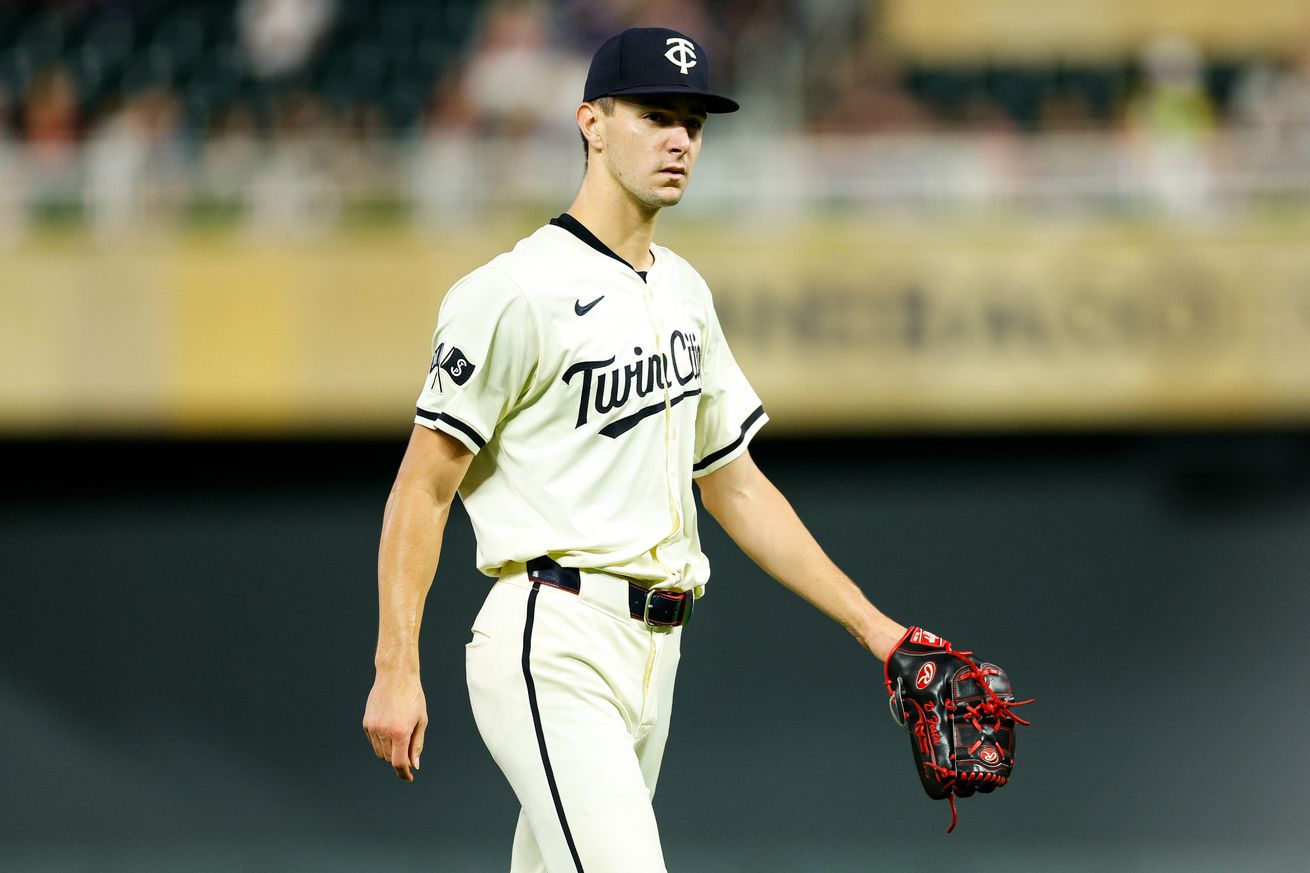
{"points": [[732, 446], [445, 418]]}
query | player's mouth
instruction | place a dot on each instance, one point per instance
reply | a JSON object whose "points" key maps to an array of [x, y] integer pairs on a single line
{"points": [[680, 172]]}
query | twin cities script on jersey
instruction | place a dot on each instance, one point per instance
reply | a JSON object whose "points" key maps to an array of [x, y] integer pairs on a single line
{"points": [[606, 387]]}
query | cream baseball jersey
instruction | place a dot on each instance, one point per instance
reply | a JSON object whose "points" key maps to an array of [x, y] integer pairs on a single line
{"points": [[591, 397]]}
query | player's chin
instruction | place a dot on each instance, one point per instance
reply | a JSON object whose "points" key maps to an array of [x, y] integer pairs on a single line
{"points": [[666, 195]]}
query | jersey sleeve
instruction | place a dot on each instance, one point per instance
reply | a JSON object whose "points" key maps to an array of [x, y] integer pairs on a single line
{"points": [[730, 412], [484, 356]]}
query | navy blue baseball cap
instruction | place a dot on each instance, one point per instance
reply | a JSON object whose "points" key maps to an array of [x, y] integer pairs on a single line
{"points": [[652, 60]]}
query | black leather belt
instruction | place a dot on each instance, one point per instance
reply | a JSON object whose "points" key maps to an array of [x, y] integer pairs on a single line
{"points": [[656, 607]]}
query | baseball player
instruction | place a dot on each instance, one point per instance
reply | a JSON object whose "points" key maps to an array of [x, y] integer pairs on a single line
{"points": [[578, 385]]}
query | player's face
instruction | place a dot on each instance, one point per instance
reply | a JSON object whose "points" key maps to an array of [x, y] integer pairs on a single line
{"points": [[651, 144]]}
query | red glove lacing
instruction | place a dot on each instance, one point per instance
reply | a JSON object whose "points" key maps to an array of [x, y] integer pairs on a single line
{"points": [[927, 731]]}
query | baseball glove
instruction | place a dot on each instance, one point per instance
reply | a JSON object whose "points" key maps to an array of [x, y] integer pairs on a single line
{"points": [[958, 712]]}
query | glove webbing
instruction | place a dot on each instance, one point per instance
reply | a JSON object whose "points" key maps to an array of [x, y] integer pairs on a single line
{"points": [[994, 707]]}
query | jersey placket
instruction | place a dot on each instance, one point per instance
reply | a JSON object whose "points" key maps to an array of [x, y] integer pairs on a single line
{"points": [[670, 473]]}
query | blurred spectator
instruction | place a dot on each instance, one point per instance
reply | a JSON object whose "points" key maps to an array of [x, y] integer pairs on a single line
{"points": [[450, 109], [50, 124], [142, 134], [516, 81], [8, 117], [1067, 111], [295, 190], [1174, 104], [232, 152], [769, 75], [982, 113], [444, 197], [1275, 102], [690, 17], [279, 36], [870, 98], [12, 187], [1173, 118], [584, 24], [8, 112], [50, 116]]}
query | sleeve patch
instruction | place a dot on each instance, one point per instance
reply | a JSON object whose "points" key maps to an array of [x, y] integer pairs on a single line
{"points": [[454, 362]]}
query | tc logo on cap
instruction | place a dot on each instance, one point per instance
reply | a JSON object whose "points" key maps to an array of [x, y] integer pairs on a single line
{"points": [[682, 55]]}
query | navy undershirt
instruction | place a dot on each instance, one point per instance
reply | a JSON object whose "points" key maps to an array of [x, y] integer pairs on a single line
{"points": [[578, 229]]}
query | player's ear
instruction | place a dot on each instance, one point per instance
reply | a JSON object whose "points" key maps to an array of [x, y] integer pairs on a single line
{"points": [[589, 122]]}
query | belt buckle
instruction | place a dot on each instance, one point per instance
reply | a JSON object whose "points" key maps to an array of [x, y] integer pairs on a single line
{"points": [[645, 613], [689, 600]]}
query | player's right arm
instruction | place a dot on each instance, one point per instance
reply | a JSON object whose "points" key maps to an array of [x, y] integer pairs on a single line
{"points": [[413, 525], [484, 354]]}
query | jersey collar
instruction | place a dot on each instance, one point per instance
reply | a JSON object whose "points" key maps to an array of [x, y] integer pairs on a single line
{"points": [[578, 229]]}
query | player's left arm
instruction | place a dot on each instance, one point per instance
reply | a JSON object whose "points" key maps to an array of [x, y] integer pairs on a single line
{"points": [[761, 521]]}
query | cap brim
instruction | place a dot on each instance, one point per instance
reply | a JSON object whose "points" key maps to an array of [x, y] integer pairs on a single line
{"points": [[713, 102]]}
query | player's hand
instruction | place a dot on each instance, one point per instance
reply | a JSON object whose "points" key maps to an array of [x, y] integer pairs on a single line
{"points": [[395, 720]]}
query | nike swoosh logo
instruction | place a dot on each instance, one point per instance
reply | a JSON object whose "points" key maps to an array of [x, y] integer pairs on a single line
{"points": [[579, 309]]}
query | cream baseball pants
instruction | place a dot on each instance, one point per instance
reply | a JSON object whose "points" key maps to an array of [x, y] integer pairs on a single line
{"points": [[573, 696]]}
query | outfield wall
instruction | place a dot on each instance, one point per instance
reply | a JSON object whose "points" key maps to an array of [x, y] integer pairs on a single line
{"points": [[842, 326], [954, 30]]}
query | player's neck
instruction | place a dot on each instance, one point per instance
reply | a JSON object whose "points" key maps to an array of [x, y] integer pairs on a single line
{"points": [[618, 221]]}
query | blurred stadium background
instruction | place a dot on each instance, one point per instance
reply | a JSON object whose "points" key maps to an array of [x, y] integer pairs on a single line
{"points": [[1025, 287]]}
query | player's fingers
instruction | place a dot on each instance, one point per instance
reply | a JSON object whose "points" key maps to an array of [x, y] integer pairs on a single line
{"points": [[374, 742], [416, 744], [398, 752]]}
